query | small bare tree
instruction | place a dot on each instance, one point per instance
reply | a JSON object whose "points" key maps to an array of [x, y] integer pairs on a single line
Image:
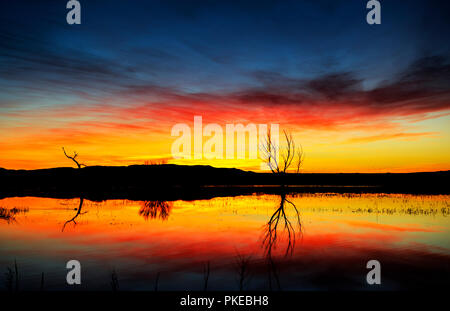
{"points": [[73, 158], [300, 158], [280, 158]]}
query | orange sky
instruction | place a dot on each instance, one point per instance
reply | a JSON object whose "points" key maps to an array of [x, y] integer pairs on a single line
{"points": [[334, 139]]}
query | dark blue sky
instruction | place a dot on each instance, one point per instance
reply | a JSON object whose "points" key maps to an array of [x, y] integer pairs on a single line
{"points": [[208, 46]]}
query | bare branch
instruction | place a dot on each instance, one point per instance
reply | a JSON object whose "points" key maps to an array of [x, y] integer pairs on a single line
{"points": [[73, 158], [300, 157], [280, 159], [271, 229], [76, 215]]}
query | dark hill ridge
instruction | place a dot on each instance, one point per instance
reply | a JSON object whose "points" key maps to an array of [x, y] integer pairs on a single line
{"points": [[170, 181]]}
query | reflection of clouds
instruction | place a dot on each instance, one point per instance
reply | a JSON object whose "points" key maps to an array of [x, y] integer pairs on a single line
{"points": [[155, 209], [386, 227]]}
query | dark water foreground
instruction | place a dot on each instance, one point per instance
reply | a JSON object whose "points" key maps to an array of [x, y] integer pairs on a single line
{"points": [[302, 241]]}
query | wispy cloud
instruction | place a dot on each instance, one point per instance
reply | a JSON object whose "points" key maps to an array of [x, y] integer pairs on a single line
{"points": [[405, 136]]}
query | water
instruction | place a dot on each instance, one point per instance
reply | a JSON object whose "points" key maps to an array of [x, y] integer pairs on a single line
{"points": [[169, 245]]}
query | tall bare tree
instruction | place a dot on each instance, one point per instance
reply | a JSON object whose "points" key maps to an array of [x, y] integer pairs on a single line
{"points": [[73, 158], [281, 157]]}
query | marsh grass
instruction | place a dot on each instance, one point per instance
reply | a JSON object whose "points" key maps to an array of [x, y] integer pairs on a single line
{"points": [[42, 282], [10, 214], [114, 281], [206, 271], [12, 278], [243, 271], [273, 273], [156, 281], [9, 279]]}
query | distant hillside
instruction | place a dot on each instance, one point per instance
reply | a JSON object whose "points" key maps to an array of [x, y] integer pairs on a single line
{"points": [[178, 181]]}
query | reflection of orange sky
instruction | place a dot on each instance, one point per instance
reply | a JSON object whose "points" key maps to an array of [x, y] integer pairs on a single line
{"points": [[223, 227], [334, 140]]}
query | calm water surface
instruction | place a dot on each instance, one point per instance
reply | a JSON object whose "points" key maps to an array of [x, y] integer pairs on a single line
{"points": [[258, 242]]}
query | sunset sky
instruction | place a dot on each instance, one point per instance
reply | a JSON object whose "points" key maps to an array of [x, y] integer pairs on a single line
{"points": [[358, 97]]}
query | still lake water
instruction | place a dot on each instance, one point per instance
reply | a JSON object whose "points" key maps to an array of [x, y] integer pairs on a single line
{"points": [[256, 242]]}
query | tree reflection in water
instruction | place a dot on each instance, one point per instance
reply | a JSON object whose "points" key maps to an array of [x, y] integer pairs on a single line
{"points": [[280, 223], [76, 215], [155, 209]]}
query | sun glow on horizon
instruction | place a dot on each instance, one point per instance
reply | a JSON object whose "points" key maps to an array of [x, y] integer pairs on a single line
{"points": [[392, 148]]}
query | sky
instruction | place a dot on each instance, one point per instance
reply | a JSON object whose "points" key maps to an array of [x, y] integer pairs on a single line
{"points": [[357, 97]]}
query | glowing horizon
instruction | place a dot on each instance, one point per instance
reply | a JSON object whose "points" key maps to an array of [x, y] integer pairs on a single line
{"points": [[326, 151]]}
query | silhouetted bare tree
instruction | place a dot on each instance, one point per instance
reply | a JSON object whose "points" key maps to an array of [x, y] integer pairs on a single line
{"points": [[79, 165], [281, 157], [73, 158]]}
